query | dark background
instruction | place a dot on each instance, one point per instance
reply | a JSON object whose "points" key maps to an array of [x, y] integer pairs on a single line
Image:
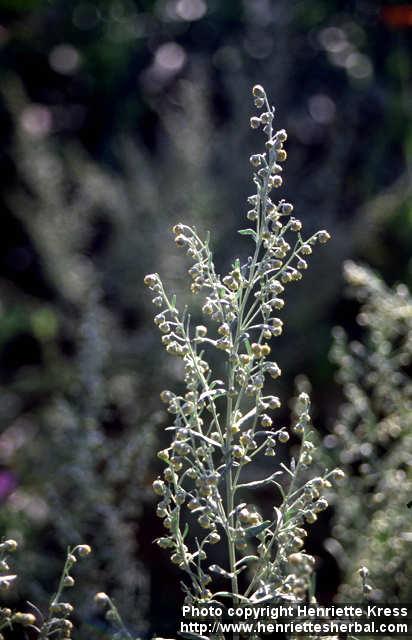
{"points": [[119, 119]]}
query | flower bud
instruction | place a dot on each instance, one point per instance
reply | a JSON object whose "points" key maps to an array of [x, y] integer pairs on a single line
{"points": [[258, 91], [151, 280], [283, 436], [178, 228], [255, 160], [101, 597], [83, 550], [255, 122], [214, 537], [256, 349], [166, 396], [61, 608], [338, 475], [323, 236], [159, 487], [276, 182], [8, 545], [281, 135], [68, 581], [201, 331], [363, 572], [24, 618]]}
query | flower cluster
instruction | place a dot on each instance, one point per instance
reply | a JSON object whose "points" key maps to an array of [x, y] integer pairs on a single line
{"points": [[222, 427], [56, 624]]}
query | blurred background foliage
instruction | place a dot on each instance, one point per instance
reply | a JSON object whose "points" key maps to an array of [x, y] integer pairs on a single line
{"points": [[118, 119], [372, 440]]}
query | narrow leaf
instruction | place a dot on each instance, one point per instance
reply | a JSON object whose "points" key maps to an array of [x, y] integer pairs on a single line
{"points": [[246, 559], [7, 579], [260, 483], [248, 415], [221, 572], [258, 528], [238, 508], [248, 232], [227, 594], [193, 636], [286, 469], [203, 437], [278, 515]]}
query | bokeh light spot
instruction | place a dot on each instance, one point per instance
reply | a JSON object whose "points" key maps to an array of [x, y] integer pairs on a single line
{"points": [[36, 120], [170, 57], [64, 59], [333, 39], [321, 108], [191, 10], [359, 66]]}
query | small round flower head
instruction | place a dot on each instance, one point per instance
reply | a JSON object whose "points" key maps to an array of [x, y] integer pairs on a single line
{"points": [[214, 537], [323, 236], [24, 619], [274, 370], [338, 475], [255, 160], [276, 182], [255, 122], [266, 421], [61, 608], [84, 550], [101, 598], [283, 436], [363, 572], [310, 516], [296, 558], [258, 91], [281, 135], [181, 240], [151, 280], [159, 487], [201, 331], [178, 228], [166, 396], [8, 545]]}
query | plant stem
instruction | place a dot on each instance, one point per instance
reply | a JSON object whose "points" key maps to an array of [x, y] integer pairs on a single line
{"points": [[230, 495]]}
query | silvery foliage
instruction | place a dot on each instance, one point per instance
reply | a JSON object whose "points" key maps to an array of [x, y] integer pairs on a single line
{"points": [[372, 439], [223, 427], [55, 623]]}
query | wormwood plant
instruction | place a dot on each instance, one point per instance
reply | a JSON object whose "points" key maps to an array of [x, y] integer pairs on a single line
{"points": [[373, 439], [55, 623], [78, 437], [223, 427], [90, 485]]}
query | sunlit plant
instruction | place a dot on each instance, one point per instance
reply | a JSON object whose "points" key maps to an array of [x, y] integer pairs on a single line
{"points": [[372, 439], [224, 422], [56, 622]]}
